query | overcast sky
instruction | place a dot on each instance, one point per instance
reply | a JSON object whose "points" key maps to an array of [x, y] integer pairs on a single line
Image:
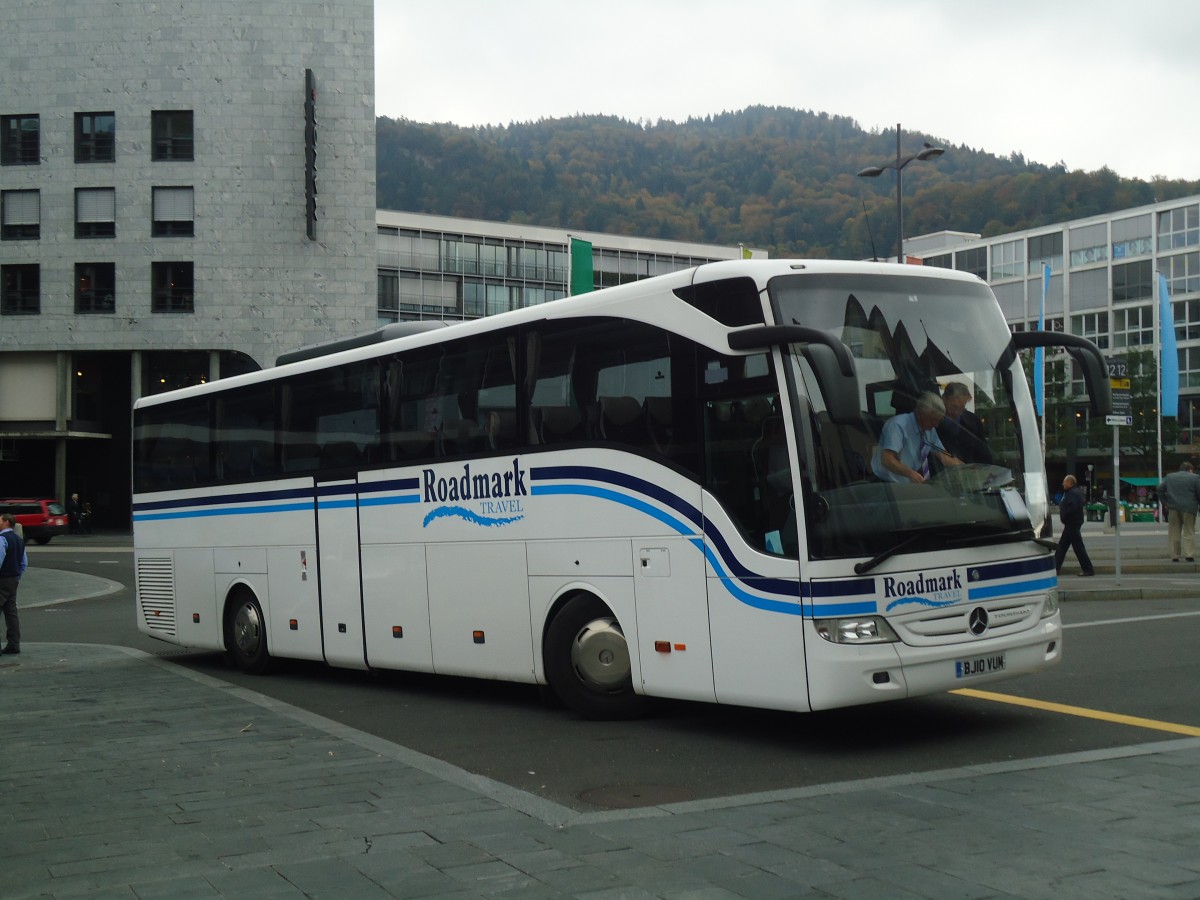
{"points": [[1087, 84]]}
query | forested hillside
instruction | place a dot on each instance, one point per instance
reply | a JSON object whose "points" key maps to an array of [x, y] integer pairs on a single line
{"points": [[780, 179]]}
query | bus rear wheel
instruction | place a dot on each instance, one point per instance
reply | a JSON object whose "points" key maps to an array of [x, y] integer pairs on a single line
{"points": [[246, 634], [587, 661]]}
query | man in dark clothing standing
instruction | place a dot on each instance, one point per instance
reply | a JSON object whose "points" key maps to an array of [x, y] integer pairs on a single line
{"points": [[961, 430], [1070, 512], [13, 562]]}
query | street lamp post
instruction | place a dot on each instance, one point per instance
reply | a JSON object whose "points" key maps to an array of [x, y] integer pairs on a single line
{"points": [[927, 152]]}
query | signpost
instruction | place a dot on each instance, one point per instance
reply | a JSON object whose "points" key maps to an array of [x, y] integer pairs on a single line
{"points": [[1118, 378]]}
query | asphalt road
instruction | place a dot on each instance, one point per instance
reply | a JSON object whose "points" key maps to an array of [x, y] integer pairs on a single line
{"points": [[1128, 658]]}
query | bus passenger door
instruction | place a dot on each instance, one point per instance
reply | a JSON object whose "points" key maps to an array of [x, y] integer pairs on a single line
{"points": [[338, 573], [752, 544]]}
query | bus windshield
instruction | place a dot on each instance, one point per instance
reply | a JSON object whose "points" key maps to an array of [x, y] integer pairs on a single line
{"points": [[911, 336]]}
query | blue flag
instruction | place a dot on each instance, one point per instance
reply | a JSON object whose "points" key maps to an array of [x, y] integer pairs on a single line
{"points": [[1168, 356], [1039, 354]]}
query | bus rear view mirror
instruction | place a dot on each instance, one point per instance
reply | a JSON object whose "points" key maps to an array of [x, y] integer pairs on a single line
{"points": [[830, 360], [1083, 351]]}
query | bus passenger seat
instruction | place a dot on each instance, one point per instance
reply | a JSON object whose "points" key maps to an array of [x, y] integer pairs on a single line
{"points": [[658, 421], [618, 418], [560, 424]]}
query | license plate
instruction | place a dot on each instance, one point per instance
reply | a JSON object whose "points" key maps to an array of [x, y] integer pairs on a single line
{"points": [[979, 665]]}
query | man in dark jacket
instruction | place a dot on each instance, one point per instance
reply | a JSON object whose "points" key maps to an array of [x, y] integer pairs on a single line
{"points": [[13, 561], [1070, 512], [961, 430]]}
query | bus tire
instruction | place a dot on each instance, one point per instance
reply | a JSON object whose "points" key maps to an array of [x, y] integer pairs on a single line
{"points": [[587, 661], [246, 634]]}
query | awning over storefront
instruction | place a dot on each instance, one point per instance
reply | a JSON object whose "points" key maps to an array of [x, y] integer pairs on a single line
{"points": [[1141, 482]]}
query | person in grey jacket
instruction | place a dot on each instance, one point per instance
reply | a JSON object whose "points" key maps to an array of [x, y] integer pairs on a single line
{"points": [[1180, 493]]}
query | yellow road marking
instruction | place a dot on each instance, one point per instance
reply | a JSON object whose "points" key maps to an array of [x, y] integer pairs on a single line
{"points": [[1081, 711]]}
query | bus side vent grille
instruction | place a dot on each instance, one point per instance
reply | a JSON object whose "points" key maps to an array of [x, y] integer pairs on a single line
{"points": [[156, 593]]}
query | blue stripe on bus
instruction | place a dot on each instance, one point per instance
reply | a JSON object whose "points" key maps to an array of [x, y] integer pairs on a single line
{"points": [[824, 610], [591, 473], [234, 511], [389, 501], [788, 607], [776, 586], [674, 501], [996, 571], [614, 496], [1019, 587], [248, 497]]}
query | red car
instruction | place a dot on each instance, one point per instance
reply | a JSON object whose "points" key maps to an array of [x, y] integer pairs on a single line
{"points": [[40, 520]]}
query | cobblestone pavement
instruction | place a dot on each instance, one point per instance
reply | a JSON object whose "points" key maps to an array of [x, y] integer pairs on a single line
{"points": [[128, 776]]}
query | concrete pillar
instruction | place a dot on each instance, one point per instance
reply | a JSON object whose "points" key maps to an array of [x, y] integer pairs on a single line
{"points": [[62, 415]]}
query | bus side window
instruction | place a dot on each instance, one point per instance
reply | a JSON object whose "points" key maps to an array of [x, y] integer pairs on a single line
{"points": [[746, 460]]}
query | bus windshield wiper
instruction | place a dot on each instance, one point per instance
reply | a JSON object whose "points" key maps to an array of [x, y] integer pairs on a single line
{"points": [[993, 537], [863, 568]]}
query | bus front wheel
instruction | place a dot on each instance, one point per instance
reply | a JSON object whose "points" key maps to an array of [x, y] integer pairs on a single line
{"points": [[246, 634], [587, 661]]}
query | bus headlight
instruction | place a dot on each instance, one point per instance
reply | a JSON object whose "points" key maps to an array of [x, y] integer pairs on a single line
{"points": [[867, 630], [1051, 606]]}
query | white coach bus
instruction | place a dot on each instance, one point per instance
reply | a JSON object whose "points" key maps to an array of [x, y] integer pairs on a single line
{"points": [[660, 489]]}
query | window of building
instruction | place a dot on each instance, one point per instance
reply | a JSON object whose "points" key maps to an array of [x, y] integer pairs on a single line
{"points": [[412, 249], [171, 134], [973, 261], [1186, 314], [1189, 376], [459, 255], [1182, 272], [1179, 228], [1011, 297], [387, 252], [1089, 289], [20, 140], [20, 215], [387, 296], [1046, 250], [941, 261], [1093, 326], [95, 137], [1131, 237], [1133, 327], [172, 287], [499, 298], [1008, 260], [473, 297], [1133, 281], [95, 212], [492, 259], [95, 287], [20, 290], [1089, 244], [173, 212]]}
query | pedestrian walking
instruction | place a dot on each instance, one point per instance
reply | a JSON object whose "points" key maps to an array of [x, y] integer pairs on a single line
{"points": [[1180, 494], [13, 562], [1070, 513]]}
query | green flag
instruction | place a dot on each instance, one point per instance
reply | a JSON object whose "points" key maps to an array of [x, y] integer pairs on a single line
{"points": [[581, 267]]}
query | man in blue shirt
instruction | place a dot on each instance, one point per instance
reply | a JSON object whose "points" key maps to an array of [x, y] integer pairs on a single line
{"points": [[909, 440], [13, 562]]}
